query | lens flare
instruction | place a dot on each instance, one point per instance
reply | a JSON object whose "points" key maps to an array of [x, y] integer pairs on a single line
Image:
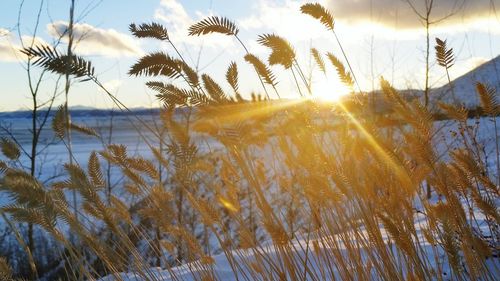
{"points": [[329, 90]]}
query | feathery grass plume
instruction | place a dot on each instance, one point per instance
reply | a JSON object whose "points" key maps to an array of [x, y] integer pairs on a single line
{"points": [[120, 210], [197, 98], [78, 178], [172, 95], [156, 64], [487, 205], [190, 74], [149, 30], [27, 191], [160, 87], [344, 75], [116, 153], [392, 95], [94, 170], [232, 76], [400, 238], [5, 270], [317, 11], [59, 123], [84, 130], [488, 96], [458, 113], [262, 70], [3, 167], [169, 94], [282, 52], [491, 106], [319, 60], [144, 166], [444, 56], [214, 24], [10, 149], [207, 210], [355, 194], [213, 89], [52, 60], [179, 133]]}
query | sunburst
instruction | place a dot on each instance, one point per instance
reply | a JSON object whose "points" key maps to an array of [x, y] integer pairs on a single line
{"points": [[329, 91]]}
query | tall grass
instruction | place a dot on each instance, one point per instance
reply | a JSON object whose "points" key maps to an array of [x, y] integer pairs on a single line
{"points": [[340, 197]]}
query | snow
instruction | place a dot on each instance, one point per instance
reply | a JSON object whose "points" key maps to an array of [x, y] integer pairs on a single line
{"points": [[464, 86], [435, 256], [314, 260], [221, 267], [55, 153]]}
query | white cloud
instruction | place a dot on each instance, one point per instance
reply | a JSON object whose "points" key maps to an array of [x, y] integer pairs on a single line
{"points": [[112, 85], [283, 18], [174, 14], [391, 20], [398, 13], [8, 53], [35, 41], [90, 40], [8, 50], [4, 32], [10, 47], [178, 22]]}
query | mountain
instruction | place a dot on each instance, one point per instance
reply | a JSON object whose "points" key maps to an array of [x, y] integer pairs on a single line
{"points": [[465, 85], [464, 89], [83, 111]]}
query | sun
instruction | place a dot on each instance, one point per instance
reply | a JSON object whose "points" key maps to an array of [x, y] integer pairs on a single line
{"points": [[329, 90]]}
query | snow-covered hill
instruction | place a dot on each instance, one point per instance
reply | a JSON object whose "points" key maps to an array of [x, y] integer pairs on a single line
{"points": [[465, 85]]}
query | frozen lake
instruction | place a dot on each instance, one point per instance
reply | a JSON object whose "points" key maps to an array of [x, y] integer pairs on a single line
{"points": [[54, 153]]}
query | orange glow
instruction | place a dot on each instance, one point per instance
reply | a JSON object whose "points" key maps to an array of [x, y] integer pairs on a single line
{"points": [[329, 90]]}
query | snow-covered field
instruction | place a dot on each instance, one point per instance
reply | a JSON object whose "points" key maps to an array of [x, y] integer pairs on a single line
{"points": [[55, 154], [301, 248]]}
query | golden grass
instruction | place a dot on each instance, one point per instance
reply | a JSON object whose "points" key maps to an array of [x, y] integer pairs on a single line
{"points": [[351, 199]]}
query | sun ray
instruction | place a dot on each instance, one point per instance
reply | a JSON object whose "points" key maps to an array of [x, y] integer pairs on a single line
{"points": [[234, 113], [328, 91], [399, 170]]}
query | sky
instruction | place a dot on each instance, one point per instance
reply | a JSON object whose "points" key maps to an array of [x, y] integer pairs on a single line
{"points": [[381, 38]]}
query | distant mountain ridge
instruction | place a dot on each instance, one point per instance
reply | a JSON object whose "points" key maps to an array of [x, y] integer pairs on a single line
{"points": [[465, 86], [464, 89], [83, 111]]}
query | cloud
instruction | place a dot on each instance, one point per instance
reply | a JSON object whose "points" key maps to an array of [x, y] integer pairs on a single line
{"points": [[90, 40], [391, 19], [178, 21], [4, 32], [112, 85], [283, 18], [397, 13], [10, 47], [8, 51]]}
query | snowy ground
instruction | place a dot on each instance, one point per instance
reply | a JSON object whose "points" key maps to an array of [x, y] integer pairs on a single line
{"points": [[56, 154], [302, 254]]}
